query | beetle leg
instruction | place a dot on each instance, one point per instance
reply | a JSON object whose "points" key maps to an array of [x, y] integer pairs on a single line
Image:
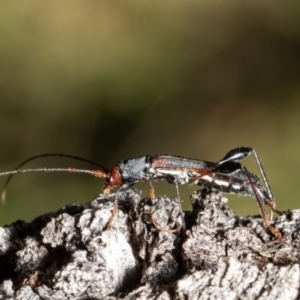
{"points": [[159, 228], [114, 212], [152, 192], [272, 209]]}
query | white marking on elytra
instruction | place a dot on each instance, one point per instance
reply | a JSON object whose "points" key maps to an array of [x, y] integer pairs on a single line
{"points": [[207, 178], [236, 186], [172, 172], [221, 182]]}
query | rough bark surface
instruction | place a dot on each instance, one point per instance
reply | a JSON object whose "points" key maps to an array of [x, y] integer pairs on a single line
{"points": [[71, 254]]}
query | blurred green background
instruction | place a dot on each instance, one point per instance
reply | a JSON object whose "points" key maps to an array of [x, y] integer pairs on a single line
{"points": [[115, 80]]}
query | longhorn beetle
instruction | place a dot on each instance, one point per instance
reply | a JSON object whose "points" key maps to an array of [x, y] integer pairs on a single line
{"points": [[228, 175]]}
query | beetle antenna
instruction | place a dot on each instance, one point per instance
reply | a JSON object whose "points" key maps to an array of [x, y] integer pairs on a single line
{"points": [[105, 170]]}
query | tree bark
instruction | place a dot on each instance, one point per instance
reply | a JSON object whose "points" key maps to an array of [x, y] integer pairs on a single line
{"points": [[151, 251]]}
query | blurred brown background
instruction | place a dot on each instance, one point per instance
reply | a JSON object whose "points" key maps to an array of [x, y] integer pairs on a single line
{"points": [[114, 80]]}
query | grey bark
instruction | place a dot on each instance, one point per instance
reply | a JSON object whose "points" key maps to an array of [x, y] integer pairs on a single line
{"points": [[71, 254]]}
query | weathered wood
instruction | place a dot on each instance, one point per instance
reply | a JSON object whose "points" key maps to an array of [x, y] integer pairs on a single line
{"points": [[71, 254]]}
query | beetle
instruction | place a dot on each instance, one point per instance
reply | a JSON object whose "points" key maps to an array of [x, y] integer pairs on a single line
{"points": [[228, 175]]}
